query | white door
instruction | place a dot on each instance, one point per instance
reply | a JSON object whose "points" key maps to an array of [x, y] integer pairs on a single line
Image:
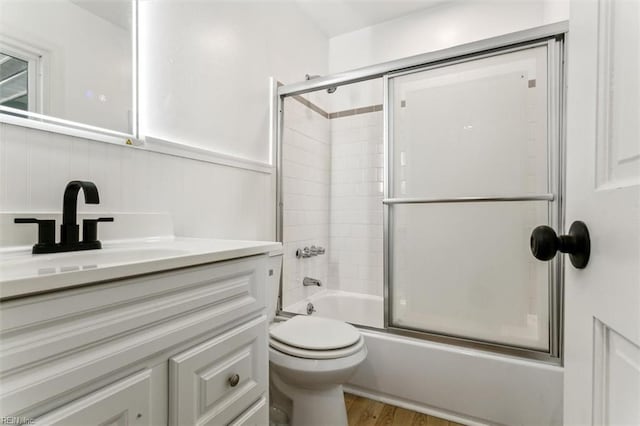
{"points": [[602, 301]]}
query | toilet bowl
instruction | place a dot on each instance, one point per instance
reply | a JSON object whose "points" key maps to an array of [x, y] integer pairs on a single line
{"points": [[310, 357]]}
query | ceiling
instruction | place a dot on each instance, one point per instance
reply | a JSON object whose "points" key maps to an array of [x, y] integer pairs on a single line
{"points": [[335, 17]]}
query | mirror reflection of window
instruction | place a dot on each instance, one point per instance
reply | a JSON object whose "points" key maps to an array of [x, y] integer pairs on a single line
{"points": [[14, 82], [79, 61]]}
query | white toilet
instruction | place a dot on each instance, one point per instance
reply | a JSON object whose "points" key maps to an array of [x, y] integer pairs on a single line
{"points": [[309, 359]]}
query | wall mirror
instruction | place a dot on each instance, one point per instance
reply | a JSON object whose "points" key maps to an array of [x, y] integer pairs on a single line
{"points": [[69, 63]]}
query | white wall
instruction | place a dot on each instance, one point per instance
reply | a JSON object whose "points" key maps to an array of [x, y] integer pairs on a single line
{"points": [[440, 27], [85, 57], [204, 200], [192, 90], [206, 67]]}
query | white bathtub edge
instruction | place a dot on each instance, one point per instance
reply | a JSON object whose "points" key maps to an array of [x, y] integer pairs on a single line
{"points": [[473, 385], [460, 350]]}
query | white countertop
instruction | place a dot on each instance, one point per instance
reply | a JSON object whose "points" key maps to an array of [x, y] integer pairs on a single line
{"points": [[23, 273]]}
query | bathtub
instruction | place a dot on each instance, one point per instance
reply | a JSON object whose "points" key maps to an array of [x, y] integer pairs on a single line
{"points": [[355, 308], [465, 385]]}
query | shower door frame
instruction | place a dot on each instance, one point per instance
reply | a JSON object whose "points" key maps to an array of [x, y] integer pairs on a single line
{"points": [[554, 37], [554, 196]]}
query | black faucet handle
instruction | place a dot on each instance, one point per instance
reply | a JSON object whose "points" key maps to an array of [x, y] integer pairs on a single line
{"points": [[90, 228], [26, 220], [46, 229]]}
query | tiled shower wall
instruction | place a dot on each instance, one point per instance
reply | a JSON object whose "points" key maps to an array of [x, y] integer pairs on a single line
{"points": [[356, 229], [306, 171], [332, 193]]}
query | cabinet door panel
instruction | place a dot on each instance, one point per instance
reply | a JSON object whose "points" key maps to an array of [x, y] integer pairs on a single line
{"points": [[256, 415], [126, 402]]}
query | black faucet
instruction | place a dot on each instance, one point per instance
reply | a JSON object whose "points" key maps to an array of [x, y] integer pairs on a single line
{"points": [[70, 230]]}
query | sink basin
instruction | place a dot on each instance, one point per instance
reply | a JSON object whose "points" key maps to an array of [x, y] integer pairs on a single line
{"points": [[22, 272]]}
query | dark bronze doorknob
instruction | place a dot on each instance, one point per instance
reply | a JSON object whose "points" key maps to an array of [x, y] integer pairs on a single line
{"points": [[545, 243]]}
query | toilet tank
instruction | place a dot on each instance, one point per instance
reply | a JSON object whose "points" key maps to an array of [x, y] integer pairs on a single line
{"points": [[273, 283]]}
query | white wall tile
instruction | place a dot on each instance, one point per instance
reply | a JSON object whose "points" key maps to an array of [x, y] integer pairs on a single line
{"points": [[345, 210], [306, 192], [356, 204]]}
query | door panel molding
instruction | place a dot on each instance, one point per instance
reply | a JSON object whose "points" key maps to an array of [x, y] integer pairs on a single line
{"points": [[618, 146], [616, 380]]}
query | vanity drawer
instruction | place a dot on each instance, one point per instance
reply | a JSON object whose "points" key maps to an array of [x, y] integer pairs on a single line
{"points": [[216, 381], [126, 402]]}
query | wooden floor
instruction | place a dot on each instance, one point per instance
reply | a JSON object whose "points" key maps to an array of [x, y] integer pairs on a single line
{"points": [[366, 412]]}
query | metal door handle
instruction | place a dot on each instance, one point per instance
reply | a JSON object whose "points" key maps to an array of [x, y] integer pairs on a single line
{"points": [[545, 243]]}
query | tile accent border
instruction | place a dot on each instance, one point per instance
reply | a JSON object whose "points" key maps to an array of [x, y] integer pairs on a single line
{"points": [[311, 106], [338, 114], [355, 111]]}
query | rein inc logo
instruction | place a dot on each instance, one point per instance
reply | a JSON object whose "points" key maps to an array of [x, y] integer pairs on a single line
{"points": [[15, 420]]}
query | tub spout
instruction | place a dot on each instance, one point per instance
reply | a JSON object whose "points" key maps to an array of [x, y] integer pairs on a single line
{"points": [[311, 281]]}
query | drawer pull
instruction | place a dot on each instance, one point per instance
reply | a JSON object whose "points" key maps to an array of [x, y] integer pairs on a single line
{"points": [[234, 380]]}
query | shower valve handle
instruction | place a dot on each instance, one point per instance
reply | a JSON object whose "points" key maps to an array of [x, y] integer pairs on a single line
{"points": [[305, 252], [545, 243]]}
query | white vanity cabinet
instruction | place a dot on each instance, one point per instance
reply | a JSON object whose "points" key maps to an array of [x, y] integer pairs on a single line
{"points": [[182, 347]]}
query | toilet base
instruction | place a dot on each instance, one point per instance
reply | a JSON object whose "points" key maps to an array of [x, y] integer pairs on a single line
{"points": [[313, 407]]}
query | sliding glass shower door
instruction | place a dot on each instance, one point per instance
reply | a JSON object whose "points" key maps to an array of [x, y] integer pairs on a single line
{"points": [[473, 162]]}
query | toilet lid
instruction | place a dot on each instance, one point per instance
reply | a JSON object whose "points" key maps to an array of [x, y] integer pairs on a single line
{"points": [[315, 333], [317, 355]]}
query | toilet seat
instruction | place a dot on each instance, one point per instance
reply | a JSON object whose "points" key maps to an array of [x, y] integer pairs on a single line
{"points": [[315, 338], [317, 354], [315, 333]]}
